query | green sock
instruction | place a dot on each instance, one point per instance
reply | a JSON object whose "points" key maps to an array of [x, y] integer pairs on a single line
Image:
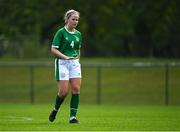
{"points": [[74, 104], [59, 101]]}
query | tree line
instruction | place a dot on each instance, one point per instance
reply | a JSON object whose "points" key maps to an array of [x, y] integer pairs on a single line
{"points": [[109, 27]]}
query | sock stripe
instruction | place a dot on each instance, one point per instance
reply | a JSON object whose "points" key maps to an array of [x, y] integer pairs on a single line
{"points": [[74, 109], [73, 117], [55, 109]]}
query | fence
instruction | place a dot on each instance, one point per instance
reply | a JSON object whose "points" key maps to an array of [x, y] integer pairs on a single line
{"points": [[33, 66]]}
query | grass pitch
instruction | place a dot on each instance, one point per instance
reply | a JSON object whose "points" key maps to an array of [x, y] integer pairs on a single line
{"points": [[25, 117]]}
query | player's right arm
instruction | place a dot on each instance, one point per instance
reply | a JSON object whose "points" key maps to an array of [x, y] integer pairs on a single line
{"points": [[59, 54]]}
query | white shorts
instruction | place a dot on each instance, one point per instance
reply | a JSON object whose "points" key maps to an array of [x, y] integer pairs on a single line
{"points": [[66, 69]]}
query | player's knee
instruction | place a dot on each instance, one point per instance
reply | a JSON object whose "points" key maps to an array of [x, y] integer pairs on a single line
{"points": [[63, 93], [75, 89]]}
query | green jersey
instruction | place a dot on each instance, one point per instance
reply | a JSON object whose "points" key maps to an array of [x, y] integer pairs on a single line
{"points": [[67, 42]]}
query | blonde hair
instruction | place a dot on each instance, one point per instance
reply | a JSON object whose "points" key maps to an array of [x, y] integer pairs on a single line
{"points": [[69, 13]]}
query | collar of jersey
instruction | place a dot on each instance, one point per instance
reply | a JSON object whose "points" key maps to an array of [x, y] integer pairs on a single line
{"points": [[69, 31]]}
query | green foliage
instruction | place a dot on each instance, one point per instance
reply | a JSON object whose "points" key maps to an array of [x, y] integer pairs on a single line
{"points": [[109, 28]]}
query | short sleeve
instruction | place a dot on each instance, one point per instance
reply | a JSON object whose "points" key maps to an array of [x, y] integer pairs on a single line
{"points": [[57, 39]]}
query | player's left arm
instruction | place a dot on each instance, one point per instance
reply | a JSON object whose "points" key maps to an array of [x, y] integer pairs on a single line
{"points": [[80, 42], [79, 53]]}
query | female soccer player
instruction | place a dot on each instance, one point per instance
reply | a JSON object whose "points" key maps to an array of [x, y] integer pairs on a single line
{"points": [[66, 47]]}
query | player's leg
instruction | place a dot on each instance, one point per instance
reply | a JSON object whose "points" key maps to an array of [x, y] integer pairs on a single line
{"points": [[75, 83], [62, 77], [75, 87], [62, 93]]}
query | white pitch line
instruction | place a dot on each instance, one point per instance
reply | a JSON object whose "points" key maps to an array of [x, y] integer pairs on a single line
{"points": [[19, 118]]}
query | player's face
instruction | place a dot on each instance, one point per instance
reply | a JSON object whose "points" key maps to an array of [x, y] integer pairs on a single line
{"points": [[73, 20]]}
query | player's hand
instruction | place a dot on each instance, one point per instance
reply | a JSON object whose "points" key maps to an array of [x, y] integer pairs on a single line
{"points": [[69, 58]]}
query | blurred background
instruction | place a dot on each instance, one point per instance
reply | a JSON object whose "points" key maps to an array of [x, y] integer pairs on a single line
{"points": [[117, 35]]}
